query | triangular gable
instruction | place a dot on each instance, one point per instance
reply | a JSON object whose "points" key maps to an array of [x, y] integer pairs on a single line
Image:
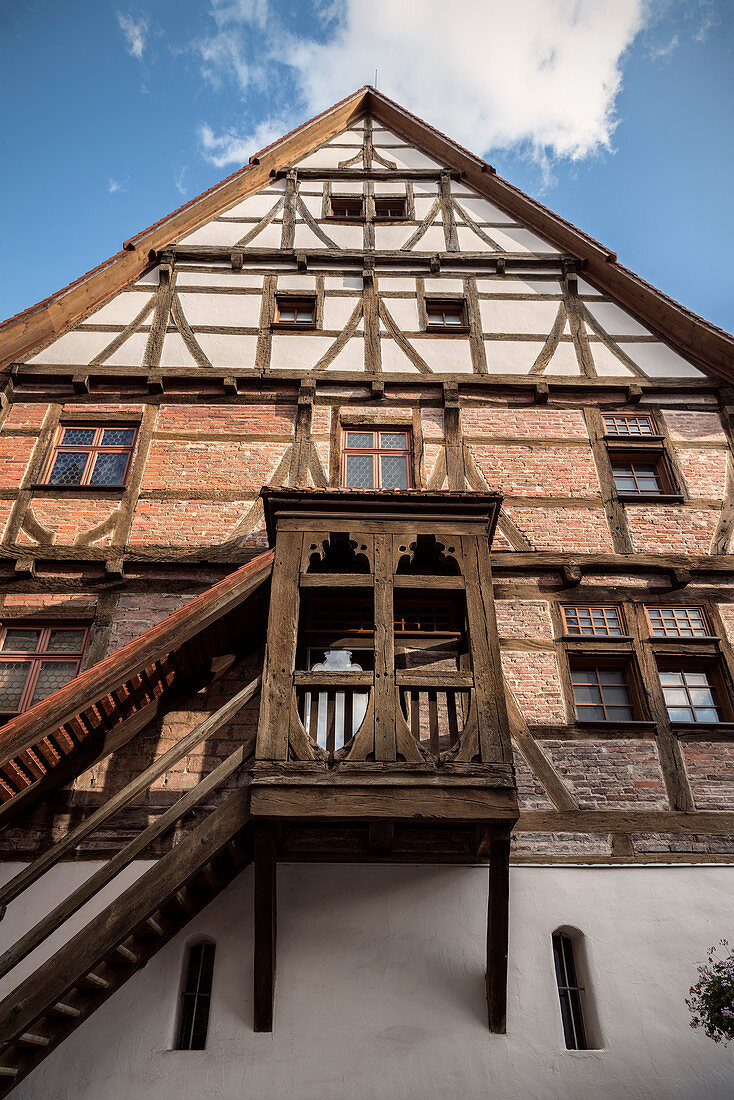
{"points": [[338, 131]]}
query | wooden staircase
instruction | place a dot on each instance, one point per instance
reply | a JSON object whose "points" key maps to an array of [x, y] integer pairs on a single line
{"points": [[67, 989]]}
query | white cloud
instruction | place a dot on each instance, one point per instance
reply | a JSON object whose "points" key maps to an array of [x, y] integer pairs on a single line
{"points": [[708, 20], [135, 32], [256, 12], [178, 180], [658, 53], [113, 186], [540, 73], [229, 147]]}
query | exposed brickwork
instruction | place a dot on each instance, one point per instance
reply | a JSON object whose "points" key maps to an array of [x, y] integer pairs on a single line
{"points": [[432, 423], [184, 522], [136, 612], [69, 518], [726, 610], [666, 529], [232, 419], [536, 685], [694, 426], [610, 774], [524, 422], [543, 471], [15, 452], [583, 529], [182, 464], [523, 619], [24, 416], [530, 791], [710, 767], [578, 845], [704, 471]]}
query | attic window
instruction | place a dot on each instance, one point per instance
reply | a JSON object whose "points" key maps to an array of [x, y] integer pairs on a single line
{"points": [[295, 312], [445, 315], [389, 209], [630, 427], [346, 206]]}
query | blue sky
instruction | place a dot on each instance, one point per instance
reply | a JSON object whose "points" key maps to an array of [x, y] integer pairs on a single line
{"points": [[615, 113]]}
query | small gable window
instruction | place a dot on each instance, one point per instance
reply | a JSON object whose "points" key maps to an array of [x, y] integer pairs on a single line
{"points": [[346, 206], [196, 997], [628, 426], [569, 992], [389, 209], [445, 315], [592, 621], [91, 455], [295, 312], [677, 622], [376, 459]]}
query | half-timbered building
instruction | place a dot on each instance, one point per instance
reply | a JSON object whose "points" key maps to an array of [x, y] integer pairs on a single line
{"points": [[366, 549]]}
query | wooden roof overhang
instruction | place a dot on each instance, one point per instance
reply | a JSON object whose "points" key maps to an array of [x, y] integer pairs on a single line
{"points": [[702, 342], [101, 709]]}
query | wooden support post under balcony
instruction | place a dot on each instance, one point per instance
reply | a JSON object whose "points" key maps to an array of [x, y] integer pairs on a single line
{"points": [[265, 927], [498, 928]]}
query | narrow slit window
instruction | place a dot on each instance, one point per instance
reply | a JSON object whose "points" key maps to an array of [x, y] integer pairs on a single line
{"points": [[445, 315], [91, 454], [640, 475], [691, 695], [35, 660], [295, 312], [375, 459], [677, 622], [389, 209], [569, 993], [196, 997], [603, 693], [592, 621], [631, 427], [347, 206]]}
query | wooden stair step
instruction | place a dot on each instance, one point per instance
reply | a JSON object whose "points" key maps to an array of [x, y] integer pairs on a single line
{"points": [[97, 981], [61, 1009], [125, 953], [31, 1039], [8, 1071], [154, 925]]}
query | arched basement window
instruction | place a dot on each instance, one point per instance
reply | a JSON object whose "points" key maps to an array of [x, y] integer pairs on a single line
{"points": [[569, 992], [195, 997]]}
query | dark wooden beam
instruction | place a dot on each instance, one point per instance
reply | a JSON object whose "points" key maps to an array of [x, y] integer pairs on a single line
{"points": [[498, 928], [265, 927]]}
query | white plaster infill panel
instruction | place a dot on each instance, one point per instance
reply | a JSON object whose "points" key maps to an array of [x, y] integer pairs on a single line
{"points": [[228, 350], [615, 321], [217, 278], [129, 354], [450, 355], [511, 356], [518, 317], [606, 362], [511, 284], [221, 310], [521, 240], [121, 310], [381, 985], [220, 234], [256, 206], [564, 360], [74, 347], [174, 352], [659, 361], [479, 209], [337, 311], [404, 312]]}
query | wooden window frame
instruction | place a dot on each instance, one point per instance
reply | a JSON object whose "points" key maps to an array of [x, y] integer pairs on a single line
{"points": [[196, 1002], [650, 457], [683, 612], [714, 667], [652, 435], [295, 301], [335, 201], [382, 202], [565, 966], [92, 450], [599, 660], [446, 305], [594, 634], [376, 452], [39, 655]]}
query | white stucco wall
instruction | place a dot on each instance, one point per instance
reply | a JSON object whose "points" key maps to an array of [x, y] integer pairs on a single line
{"points": [[380, 993]]}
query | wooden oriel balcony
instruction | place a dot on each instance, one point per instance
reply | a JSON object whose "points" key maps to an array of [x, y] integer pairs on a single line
{"points": [[382, 692]]}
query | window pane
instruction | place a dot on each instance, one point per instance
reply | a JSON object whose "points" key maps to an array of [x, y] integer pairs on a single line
{"points": [[680, 714], [587, 693], [707, 714], [390, 441], [18, 640], [52, 675], [670, 679], [359, 439], [452, 317], [68, 469], [66, 641], [287, 313], [78, 437], [359, 472], [13, 675], [591, 714], [118, 437], [393, 472], [696, 679], [109, 468]]}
